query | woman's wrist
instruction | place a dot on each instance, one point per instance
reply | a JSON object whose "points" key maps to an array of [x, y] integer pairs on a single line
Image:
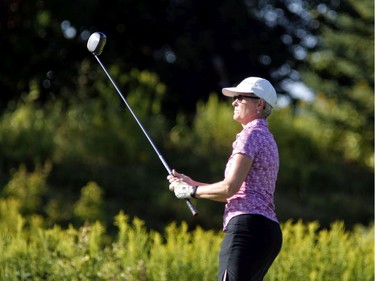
{"points": [[194, 191]]}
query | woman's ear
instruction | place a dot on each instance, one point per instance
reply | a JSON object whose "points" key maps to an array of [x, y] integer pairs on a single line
{"points": [[261, 104]]}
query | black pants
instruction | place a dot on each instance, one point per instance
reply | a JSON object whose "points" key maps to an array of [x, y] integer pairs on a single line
{"points": [[250, 245]]}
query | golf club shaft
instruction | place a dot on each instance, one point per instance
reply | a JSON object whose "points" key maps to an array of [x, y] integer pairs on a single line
{"points": [[192, 208]]}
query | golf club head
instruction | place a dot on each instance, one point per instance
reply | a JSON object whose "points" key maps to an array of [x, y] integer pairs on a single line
{"points": [[96, 43]]}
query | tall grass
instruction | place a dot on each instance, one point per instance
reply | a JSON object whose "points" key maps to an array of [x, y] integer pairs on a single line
{"points": [[30, 251]]}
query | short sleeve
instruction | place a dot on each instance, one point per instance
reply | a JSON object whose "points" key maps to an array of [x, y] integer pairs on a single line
{"points": [[248, 142]]}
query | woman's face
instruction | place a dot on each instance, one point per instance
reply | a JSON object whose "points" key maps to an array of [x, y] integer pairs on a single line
{"points": [[245, 108]]}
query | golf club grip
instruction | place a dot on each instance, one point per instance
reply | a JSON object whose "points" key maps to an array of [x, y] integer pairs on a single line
{"points": [[192, 208]]}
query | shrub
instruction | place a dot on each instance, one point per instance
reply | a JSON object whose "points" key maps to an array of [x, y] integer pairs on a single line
{"points": [[29, 251]]}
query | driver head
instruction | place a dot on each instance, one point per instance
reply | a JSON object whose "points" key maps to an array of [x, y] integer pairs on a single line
{"points": [[96, 43]]}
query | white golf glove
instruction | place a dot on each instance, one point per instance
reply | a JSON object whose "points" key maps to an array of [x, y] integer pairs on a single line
{"points": [[182, 190]]}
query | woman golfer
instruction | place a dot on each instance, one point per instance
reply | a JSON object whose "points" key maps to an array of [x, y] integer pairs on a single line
{"points": [[253, 236]]}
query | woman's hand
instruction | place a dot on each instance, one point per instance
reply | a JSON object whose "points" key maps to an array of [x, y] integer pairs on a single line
{"points": [[175, 176], [179, 184]]}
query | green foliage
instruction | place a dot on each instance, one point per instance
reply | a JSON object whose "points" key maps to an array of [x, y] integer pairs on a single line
{"points": [[316, 179], [102, 128], [310, 253], [318, 164], [11, 220], [95, 140], [89, 206], [27, 131], [213, 124], [341, 72], [49, 38], [210, 136], [71, 151], [89, 139], [28, 187], [29, 251]]}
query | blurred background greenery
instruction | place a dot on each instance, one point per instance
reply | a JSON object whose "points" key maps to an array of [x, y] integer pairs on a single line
{"points": [[71, 152]]}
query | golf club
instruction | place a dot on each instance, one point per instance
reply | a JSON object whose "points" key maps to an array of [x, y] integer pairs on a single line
{"points": [[95, 45]]}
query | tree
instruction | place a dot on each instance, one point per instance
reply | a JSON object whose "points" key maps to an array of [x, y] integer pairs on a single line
{"points": [[196, 47], [341, 70], [329, 159]]}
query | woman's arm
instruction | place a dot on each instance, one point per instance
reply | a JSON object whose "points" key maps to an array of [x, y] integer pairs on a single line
{"points": [[220, 191]]}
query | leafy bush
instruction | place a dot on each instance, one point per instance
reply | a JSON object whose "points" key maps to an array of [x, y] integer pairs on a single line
{"points": [[314, 171], [29, 251], [93, 138]]}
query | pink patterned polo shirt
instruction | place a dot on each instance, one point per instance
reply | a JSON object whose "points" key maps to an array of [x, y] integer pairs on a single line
{"points": [[256, 193]]}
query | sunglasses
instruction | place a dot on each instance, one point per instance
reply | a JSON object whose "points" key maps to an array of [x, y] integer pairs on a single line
{"points": [[240, 98]]}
